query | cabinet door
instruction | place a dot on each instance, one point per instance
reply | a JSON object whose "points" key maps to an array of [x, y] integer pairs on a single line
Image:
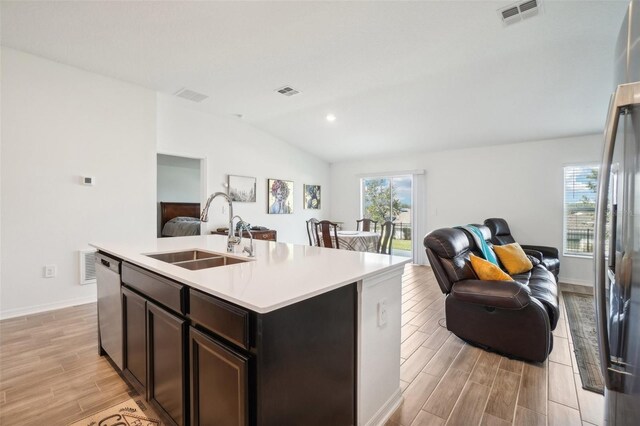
{"points": [[219, 383], [166, 338], [135, 338]]}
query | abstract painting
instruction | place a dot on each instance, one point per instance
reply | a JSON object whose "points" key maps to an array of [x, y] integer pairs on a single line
{"points": [[312, 197], [280, 196], [242, 189]]}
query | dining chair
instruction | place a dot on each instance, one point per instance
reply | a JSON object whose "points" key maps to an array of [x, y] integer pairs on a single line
{"points": [[311, 231], [327, 229], [366, 225], [386, 237]]}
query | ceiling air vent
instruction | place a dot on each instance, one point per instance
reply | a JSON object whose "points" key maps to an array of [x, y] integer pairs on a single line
{"points": [[287, 91], [516, 12], [191, 95]]}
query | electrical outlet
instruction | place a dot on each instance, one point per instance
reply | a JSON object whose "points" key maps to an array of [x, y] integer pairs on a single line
{"points": [[50, 271], [382, 313]]}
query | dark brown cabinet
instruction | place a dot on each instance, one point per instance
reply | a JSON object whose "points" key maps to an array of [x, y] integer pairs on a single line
{"points": [[200, 360], [219, 382], [155, 341], [266, 235], [134, 309], [166, 337]]}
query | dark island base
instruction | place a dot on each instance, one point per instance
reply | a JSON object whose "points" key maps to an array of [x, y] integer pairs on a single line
{"points": [[214, 366]]}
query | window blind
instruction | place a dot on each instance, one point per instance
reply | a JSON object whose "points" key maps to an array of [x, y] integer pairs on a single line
{"points": [[580, 190]]}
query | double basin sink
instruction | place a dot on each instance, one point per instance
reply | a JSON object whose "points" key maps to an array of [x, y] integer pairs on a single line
{"points": [[196, 259]]}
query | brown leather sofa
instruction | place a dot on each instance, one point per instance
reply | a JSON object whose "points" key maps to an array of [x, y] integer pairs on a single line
{"points": [[513, 318], [501, 234]]}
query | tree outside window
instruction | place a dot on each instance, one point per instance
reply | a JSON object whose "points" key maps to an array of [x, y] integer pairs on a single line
{"points": [[389, 198], [381, 204]]}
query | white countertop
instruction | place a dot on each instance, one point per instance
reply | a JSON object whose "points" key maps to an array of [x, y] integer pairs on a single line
{"points": [[280, 274]]}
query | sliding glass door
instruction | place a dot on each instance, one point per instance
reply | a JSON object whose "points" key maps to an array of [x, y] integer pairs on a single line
{"points": [[389, 198]]}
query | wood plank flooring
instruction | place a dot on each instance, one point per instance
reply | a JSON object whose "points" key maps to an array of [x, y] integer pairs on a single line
{"points": [[448, 382], [50, 371]]}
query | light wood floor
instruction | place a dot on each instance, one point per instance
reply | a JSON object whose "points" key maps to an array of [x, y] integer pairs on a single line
{"points": [[50, 371], [445, 381], [51, 374]]}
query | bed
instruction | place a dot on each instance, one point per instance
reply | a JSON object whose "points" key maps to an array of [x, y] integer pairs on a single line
{"points": [[179, 219]]}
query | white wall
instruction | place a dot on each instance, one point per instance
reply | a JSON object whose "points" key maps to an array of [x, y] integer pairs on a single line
{"points": [[231, 146], [178, 179], [58, 124], [522, 183]]}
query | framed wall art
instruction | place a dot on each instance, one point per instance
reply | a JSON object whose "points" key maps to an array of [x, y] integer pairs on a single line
{"points": [[242, 189], [280, 196], [312, 199]]}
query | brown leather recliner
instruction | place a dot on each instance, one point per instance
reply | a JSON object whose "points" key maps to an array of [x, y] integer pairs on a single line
{"points": [[514, 318], [501, 234]]}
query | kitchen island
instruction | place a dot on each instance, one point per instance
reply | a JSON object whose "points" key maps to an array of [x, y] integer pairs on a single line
{"points": [[295, 335]]}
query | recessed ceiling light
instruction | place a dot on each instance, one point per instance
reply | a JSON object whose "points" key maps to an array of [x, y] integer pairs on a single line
{"points": [[331, 118]]}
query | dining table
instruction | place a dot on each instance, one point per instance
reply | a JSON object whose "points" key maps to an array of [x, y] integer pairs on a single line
{"points": [[358, 241]]}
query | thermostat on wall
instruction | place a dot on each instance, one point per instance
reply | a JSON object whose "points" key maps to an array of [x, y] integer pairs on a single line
{"points": [[88, 180]]}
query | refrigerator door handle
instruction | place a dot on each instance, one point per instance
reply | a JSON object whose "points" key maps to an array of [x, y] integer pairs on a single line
{"points": [[625, 96]]}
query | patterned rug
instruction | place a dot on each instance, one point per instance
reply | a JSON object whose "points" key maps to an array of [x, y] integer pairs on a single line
{"points": [[582, 323], [127, 413]]}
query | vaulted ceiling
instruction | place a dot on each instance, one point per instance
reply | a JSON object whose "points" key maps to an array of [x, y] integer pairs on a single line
{"points": [[398, 76]]}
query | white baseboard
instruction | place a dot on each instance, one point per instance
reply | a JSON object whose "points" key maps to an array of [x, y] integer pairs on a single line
{"points": [[385, 412], [12, 313], [575, 281]]}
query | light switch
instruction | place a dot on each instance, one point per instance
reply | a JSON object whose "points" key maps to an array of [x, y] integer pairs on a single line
{"points": [[50, 271]]}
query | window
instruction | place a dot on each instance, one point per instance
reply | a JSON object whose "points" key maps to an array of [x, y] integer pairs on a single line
{"points": [[390, 198], [580, 192]]}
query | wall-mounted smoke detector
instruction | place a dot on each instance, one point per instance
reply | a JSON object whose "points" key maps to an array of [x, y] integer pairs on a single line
{"points": [[190, 95], [287, 91], [516, 12]]}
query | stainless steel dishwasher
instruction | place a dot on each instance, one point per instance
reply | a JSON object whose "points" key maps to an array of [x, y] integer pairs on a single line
{"points": [[109, 307]]}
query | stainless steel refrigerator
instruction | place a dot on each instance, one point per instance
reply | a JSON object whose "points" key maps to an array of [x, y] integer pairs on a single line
{"points": [[617, 246]]}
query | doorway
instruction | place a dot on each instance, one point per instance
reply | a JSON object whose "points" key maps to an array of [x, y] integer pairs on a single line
{"points": [[179, 180], [390, 198]]}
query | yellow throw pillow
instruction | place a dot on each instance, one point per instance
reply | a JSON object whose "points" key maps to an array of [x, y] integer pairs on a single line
{"points": [[513, 258], [486, 270]]}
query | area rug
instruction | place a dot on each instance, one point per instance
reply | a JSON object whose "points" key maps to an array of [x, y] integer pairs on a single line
{"points": [[127, 413], [581, 315]]}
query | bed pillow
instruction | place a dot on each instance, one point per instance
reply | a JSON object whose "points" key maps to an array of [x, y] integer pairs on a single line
{"points": [[513, 258], [487, 271]]}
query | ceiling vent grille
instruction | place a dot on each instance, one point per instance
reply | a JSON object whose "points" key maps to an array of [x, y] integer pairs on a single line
{"points": [[87, 267], [287, 91], [516, 12], [190, 95]]}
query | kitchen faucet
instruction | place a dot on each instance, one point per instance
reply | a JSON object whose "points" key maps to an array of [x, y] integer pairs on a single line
{"points": [[204, 217], [242, 225]]}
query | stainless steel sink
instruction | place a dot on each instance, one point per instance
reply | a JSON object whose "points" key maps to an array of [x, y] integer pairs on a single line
{"points": [[196, 259], [182, 256], [209, 263]]}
